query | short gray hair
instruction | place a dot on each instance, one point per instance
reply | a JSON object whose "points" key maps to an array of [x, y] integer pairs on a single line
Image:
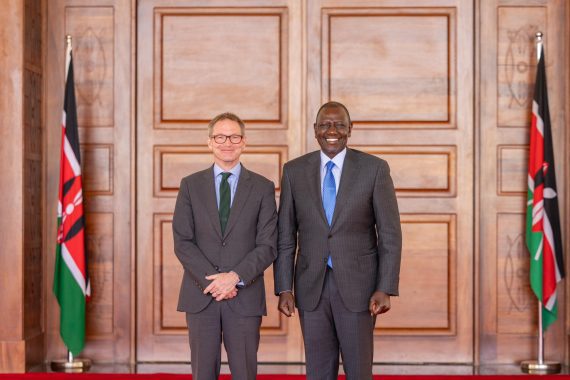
{"points": [[226, 116]]}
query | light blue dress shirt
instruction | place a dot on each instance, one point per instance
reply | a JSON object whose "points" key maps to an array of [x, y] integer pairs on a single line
{"points": [[232, 181], [336, 170]]}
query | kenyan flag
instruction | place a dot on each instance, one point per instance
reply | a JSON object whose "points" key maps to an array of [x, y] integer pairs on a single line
{"points": [[71, 282], [543, 237]]}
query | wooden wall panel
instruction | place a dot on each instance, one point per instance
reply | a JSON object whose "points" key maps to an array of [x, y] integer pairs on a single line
{"points": [[507, 308], [168, 272], [173, 163], [516, 62], [22, 332], [33, 201], [428, 283], [436, 176], [515, 307], [398, 42], [512, 171], [189, 37], [97, 159], [404, 70], [207, 58], [93, 50], [168, 277], [102, 49], [99, 234]]}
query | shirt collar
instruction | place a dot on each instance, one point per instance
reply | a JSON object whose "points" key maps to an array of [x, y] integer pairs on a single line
{"points": [[236, 170], [338, 159]]}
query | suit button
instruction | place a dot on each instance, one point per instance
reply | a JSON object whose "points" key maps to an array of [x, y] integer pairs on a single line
{"points": [[223, 244], [330, 236], [326, 259]]}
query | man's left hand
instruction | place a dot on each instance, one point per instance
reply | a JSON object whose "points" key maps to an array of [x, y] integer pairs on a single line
{"points": [[222, 285], [379, 303]]}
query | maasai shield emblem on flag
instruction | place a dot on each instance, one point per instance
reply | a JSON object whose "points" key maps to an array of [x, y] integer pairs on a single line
{"points": [[543, 237], [71, 282]]}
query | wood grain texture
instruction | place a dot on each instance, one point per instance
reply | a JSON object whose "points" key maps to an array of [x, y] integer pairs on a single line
{"points": [[201, 51], [104, 78], [516, 62], [99, 241], [387, 62], [33, 206], [246, 61], [428, 280], [453, 133], [98, 163], [405, 71], [92, 29], [12, 140], [172, 163], [425, 171], [507, 308], [512, 161], [21, 162], [207, 58]]}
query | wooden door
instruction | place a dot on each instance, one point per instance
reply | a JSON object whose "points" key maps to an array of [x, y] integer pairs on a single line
{"points": [[101, 32], [508, 309], [405, 71], [196, 59]]}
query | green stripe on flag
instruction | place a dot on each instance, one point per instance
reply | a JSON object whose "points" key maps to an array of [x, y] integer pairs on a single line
{"points": [[72, 306], [533, 243]]}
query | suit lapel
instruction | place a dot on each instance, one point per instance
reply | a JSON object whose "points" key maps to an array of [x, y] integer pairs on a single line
{"points": [[350, 169], [209, 194], [314, 181], [242, 193]]}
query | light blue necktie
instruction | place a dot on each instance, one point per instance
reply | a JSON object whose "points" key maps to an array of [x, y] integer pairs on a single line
{"points": [[329, 197]]}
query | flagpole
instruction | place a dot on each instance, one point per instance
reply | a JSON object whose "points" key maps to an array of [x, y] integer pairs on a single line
{"points": [[71, 364], [539, 366], [540, 336]]}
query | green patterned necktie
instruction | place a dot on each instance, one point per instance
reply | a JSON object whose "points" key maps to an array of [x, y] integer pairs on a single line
{"points": [[225, 198]]}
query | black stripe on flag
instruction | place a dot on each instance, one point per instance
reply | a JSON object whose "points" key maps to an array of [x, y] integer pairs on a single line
{"points": [[550, 204], [75, 229], [69, 105]]}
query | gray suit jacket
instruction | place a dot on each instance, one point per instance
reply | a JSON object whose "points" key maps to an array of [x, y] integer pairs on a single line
{"points": [[364, 240], [247, 247]]}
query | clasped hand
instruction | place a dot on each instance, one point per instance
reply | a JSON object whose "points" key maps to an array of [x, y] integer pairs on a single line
{"points": [[223, 285]]}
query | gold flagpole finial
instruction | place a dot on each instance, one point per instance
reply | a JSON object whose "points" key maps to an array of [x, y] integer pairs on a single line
{"points": [[68, 40]]}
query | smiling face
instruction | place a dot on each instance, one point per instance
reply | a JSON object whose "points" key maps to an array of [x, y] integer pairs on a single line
{"points": [[332, 129], [226, 155]]}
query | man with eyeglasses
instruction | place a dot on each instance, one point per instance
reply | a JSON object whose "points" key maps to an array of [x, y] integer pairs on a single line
{"points": [[339, 248], [225, 234]]}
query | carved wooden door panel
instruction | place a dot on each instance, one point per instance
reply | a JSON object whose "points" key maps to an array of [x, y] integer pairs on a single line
{"points": [[196, 59], [405, 71], [508, 309]]}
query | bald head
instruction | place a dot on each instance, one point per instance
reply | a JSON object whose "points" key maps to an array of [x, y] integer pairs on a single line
{"points": [[333, 104]]}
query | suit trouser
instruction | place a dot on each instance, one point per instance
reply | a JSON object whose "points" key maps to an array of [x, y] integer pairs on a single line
{"points": [[331, 329], [239, 333]]}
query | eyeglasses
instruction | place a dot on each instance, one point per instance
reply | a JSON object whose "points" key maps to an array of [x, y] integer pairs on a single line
{"points": [[220, 139], [339, 126]]}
